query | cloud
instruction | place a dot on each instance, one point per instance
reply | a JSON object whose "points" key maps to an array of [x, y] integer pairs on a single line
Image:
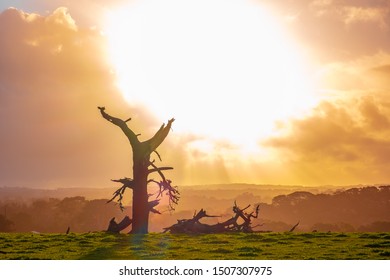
{"points": [[385, 69], [378, 16], [340, 142], [53, 75], [85, 11], [336, 30], [345, 139], [351, 12], [50, 45], [54, 72], [62, 18], [361, 76]]}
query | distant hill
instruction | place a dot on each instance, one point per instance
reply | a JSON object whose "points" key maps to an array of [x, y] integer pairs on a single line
{"points": [[217, 191], [26, 194]]}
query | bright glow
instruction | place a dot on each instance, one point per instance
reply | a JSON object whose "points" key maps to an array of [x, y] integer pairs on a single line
{"points": [[223, 68]]}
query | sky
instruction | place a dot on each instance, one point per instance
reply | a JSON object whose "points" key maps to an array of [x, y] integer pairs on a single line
{"points": [[266, 92]]}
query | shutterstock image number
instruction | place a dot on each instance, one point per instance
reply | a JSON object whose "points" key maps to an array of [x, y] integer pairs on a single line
{"points": [[237, 270]]}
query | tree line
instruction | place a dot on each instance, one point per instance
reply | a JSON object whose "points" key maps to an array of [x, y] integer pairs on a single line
{"points": [[56, 215], [355, 209]]}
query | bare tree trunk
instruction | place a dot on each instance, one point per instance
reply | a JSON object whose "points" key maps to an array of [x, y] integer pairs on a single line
{"points": [[140, 199]]}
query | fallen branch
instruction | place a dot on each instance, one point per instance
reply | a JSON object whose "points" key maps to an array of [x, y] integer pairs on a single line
{"points": [[115, 227]]}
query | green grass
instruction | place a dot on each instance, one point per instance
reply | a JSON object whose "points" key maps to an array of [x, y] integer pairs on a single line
{"points": [[156, 246]]}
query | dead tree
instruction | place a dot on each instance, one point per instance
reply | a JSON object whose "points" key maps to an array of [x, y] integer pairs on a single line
{"points": [[143, 166], [240, 222]]}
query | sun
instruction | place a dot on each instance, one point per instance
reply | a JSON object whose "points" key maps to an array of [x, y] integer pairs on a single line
{"points": [[224, 69]]}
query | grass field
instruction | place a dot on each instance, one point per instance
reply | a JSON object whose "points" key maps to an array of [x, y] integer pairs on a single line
{"points": [[156, 246]]}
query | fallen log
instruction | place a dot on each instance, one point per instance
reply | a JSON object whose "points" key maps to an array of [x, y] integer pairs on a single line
{"points": [[240, 222], [191, 225]]}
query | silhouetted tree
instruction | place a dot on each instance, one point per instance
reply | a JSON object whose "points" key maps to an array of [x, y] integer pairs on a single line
{"points": [[142, 168]]}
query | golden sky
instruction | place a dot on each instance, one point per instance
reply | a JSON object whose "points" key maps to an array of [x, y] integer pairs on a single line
{"points": [[268, 92]]}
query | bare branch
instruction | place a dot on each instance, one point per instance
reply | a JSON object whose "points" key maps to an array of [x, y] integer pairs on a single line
{"points": [[158, 155], [246, 207], [165, 185], [294, 227], [202, 214], [157, 170], [155, 211], [127, 183], [160, 169], [152, 204], [122, 124], [159, 137]]}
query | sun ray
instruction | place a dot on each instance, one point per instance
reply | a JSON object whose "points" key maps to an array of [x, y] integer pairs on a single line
{"points": [[223, 69]]}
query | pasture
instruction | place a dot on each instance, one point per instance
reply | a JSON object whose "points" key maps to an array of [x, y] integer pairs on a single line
{"points": [[165, 246]]}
